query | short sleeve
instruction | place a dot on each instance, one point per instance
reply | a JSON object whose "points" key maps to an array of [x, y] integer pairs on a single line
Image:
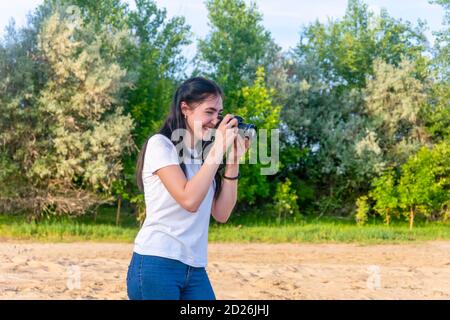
{"points": [[160, 152]]}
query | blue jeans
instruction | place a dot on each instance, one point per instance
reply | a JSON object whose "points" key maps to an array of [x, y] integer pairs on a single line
{"points": [[158, 278]]}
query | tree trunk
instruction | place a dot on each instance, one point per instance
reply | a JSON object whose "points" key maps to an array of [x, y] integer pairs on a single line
{"points": [[119, 202], [388, 217], [411, 218]]}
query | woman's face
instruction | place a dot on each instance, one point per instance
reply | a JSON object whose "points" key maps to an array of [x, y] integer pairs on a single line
{"points": [[202, 118]]}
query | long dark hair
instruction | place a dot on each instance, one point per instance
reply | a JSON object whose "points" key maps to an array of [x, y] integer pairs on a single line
{"points": [[193, 91]]}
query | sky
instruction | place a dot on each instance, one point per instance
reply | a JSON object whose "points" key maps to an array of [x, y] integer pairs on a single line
{"points": [[283, 18]]}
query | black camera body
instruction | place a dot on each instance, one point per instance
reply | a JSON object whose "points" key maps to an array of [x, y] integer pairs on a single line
{"points": [[245, 129]]}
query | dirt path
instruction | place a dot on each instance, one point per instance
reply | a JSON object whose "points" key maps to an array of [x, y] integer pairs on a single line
{"points": [[237, 271]]}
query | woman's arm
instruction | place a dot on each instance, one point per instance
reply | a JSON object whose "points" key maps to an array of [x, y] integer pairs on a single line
{"points": [[225, 202], [190, 194]]}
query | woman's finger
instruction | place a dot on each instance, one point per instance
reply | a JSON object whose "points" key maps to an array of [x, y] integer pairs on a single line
{"points": [[227, 118], [232, 123]]}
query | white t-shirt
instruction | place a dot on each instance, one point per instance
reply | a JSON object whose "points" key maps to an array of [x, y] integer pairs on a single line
{"points": [[169, 230]]}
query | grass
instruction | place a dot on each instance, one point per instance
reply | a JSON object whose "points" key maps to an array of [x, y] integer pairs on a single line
{"points": [[329, 232], [66, 229], [244, 228]]}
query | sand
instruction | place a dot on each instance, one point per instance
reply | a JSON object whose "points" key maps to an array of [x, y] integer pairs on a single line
{"points": [[237, 271]]}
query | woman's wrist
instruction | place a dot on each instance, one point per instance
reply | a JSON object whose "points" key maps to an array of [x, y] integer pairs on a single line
{"points": [[231, 169], [235, 178]]}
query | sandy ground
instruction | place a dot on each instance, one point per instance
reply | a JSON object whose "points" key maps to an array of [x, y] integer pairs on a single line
{"points": [[237, 271]]}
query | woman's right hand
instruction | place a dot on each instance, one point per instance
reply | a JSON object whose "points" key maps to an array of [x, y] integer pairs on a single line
{"points": [[226, 133]]}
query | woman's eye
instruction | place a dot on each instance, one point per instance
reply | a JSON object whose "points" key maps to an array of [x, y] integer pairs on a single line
{"points": [[212, 112]]}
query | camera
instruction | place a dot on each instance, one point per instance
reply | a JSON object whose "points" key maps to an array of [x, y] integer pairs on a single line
{"points": [[244, 129]]}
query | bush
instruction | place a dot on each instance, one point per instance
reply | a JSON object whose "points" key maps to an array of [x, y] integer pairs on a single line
{"points": [[362, 210], [286, 201]]}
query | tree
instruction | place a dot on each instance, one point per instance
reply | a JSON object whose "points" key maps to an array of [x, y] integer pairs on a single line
{"points": [[424, 182], [441, 50], [23, 77], [326, 104], [437, 112], [393, 102], [83, 131], [327, 127], [345, 50], [157, 63], [285, 200], [257, 108], [97, 13], [158, 66], [154, 63], [236, 45], [384, 192], [152, 55], [362, 210]]}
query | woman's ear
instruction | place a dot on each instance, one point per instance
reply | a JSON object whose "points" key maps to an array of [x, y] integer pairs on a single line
{"points": [[184, 108]]}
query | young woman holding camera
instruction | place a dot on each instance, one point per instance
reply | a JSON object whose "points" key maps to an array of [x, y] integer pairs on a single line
{"points": [[170, 250]]}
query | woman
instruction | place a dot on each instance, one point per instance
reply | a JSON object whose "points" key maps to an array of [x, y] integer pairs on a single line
{"points": [[170, 250]]}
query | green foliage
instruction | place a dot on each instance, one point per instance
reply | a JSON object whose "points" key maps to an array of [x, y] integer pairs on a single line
{"points": [[346, 49], [23, 76], [257, 108], [241, 229], [305, 191], [76, 130], [362, 209], [139, 202], [437, 112], [326, 127], [157, 64], [152, 56], [355, 103], [384, 192], [79, 107], [441, 50], [235, 47], [425, 181], [153, 60], [394, 98], [97, 13], [285, 200], [423, 186], [338, 76]]}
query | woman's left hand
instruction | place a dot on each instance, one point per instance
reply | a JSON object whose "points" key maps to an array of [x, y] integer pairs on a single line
{"points": [[240, 147]]}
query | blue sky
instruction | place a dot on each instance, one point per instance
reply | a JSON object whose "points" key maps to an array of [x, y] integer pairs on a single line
{"points": [[283, 18]]}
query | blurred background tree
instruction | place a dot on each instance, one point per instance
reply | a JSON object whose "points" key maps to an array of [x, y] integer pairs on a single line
{"points": [[361, 105]]}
